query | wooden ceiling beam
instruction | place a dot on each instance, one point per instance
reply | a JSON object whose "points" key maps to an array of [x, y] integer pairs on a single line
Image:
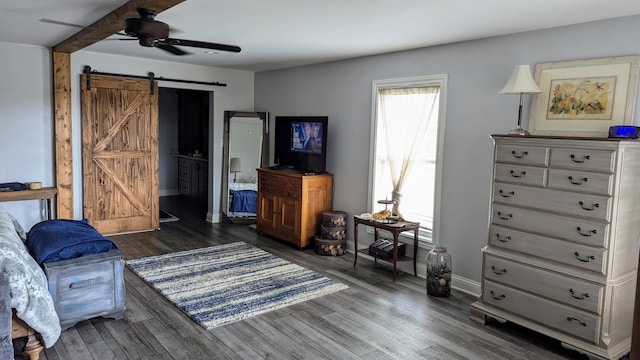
{"points": [[111, 24]]}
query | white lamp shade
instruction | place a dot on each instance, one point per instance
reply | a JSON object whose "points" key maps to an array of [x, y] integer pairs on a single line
{"points": [[235, 165], [521, 82]]}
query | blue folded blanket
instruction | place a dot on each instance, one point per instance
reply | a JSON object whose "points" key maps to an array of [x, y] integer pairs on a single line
{"points": [[244, 201], [55, 240]]}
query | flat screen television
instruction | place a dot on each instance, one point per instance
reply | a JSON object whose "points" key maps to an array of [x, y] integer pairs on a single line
{"points": [[301, 143]]}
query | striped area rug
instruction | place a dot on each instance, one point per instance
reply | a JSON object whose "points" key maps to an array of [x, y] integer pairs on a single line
{"points": [[226, 283]]}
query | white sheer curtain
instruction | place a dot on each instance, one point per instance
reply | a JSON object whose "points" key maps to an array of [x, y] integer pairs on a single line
{"points": [[405, 127]]}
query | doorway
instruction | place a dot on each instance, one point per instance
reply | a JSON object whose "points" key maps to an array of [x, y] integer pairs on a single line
{"points": [[185, 120]]}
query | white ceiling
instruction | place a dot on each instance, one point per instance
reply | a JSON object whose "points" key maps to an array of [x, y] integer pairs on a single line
{"points": [[277, 34]]}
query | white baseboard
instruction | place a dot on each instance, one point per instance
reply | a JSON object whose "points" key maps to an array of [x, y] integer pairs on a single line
{"points": [[459, 283], [214, 218]]}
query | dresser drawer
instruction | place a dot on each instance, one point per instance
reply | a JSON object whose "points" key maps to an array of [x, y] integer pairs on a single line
{"points": [[526, 175], [570, 320], [281, 186], [184, 173], [184, 162], [543, 247], [558, 287], [583, 159], [578, 181], [570, 203], [525, 155], [581, 231]]}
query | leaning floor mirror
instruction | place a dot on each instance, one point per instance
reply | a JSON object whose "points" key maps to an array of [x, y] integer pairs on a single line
{"points": [[246, 148]]}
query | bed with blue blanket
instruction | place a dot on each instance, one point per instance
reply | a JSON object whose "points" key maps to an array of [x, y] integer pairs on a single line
{"points": [[243, 198], [28, 290]]}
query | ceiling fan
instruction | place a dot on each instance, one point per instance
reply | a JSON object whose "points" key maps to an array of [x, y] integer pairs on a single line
{"points": [[153, 33]]}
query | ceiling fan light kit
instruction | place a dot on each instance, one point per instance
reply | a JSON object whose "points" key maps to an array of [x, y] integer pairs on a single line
{"points": [[153, 33]]}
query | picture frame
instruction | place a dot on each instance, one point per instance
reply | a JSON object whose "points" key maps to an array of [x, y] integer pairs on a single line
{"points": [[584, 98]]}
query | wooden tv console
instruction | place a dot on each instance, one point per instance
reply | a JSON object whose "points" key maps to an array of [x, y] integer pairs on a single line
{"points": [[290, 204]]}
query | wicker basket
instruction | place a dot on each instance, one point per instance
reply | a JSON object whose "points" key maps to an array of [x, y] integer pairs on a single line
{"points": [[334, 225], [334, 218], [328, 247]]}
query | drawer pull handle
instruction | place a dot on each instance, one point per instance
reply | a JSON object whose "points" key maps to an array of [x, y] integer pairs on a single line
{"points": [[581, 297], [516, 175], [586, 259], [504, 217], [579, 161], [497, 297], [505, 194], [587, 234], [571, 318], [593, 207], [519, 156], [578, 181], [498, 272], [83, 283], [504, 238]]}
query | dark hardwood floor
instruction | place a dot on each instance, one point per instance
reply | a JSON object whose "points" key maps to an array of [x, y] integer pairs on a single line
{"points": [[374, 319]]}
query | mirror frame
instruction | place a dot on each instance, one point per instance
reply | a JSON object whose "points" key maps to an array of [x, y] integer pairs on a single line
{"points": [[264, 161]]}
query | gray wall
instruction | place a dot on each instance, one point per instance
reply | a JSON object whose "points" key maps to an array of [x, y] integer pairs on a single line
{"points": [[477, 70]]}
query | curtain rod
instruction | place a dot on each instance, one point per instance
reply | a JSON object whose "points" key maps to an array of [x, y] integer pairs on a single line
{"points": [[150, 76]]}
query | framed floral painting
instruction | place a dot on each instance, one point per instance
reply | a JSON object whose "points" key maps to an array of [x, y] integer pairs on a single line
{"points": [[584, 97]]}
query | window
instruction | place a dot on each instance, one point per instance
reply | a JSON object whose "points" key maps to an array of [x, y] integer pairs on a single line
{"points": [[406, 153]]}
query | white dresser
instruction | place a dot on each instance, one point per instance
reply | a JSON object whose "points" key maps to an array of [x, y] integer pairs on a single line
{"points": [[563, 241]]}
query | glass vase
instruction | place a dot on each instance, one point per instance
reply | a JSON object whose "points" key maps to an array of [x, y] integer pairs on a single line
{"points": [[439, 272]]}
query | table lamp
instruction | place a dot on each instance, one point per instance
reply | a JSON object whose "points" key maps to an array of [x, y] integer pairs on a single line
{"points": [[521, 82], [235, 167]]}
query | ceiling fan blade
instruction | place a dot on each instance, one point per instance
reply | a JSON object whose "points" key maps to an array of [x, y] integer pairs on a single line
{"points": [[56, 22], [201, 44], [169, 48]]}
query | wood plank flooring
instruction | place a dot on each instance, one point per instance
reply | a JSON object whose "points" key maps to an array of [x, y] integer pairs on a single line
{"points": [[374, 319]]}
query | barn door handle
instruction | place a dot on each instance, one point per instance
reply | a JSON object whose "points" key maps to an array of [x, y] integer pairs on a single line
{"points": [[593, 207], [519, 156], [579, 161], [578, 181], [581, 297]]}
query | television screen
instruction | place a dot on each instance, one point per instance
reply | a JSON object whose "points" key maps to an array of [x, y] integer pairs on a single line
{"points": [[300, 142], [306, 137]]}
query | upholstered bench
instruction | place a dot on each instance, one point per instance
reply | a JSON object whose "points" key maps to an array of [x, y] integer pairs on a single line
{"points": [[84, 270], [86, 287]]}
